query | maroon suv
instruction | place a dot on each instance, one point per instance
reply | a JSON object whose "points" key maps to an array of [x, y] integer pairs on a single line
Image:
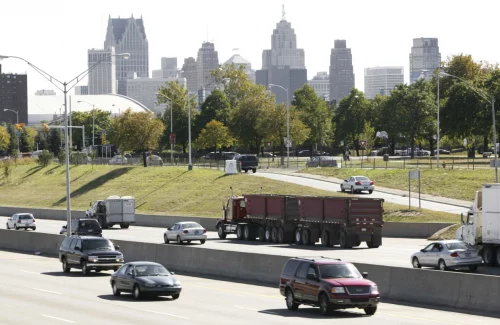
{"points": [[328, 283]]}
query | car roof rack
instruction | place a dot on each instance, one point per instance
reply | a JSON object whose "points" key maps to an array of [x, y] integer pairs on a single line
{"points": [[314, 258]]}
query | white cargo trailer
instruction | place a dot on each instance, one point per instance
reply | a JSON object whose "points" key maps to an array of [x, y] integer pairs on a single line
{"points": [[114, 210], [481, 227]]}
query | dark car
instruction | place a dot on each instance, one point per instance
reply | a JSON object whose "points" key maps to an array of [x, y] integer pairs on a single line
{"points": [[248, 162], [328, 283], [84, 227], [89, 253], [145, 278]]}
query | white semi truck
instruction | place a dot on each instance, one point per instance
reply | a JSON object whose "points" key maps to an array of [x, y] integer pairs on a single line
{"points": [[481, 227], [114, 210]]}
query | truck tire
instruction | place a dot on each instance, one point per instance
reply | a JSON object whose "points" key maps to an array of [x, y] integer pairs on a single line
{"points": [[281, 235], [375, 241], [298, 236], [221, 232], [262, 234], [325, 238], [274, 235], [306, 237], [268, 234], [254, 170], [247, 233], [239, 231], [102, 221], [124, 225], [343, 240], [489, 255]]}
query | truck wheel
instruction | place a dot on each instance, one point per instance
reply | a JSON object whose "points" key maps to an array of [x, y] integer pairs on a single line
{"points": [[306, 238], [245, 170], [222, 234], [124, 225], [325, 239], [268, 234], [488, 255], [262, 234], [254, 170], [239, 232], [274, 235], [281, 235], [343, 240], [298, 236], [247, 233]]}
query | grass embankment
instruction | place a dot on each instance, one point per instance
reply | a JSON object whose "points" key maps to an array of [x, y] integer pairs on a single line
{"points": [[457, 183], [157, 190]]}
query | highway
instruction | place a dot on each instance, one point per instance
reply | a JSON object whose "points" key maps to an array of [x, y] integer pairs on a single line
{"points": [[35, 291], [392, 198]]}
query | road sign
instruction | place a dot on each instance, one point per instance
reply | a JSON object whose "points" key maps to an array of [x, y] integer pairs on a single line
{"points": [[172, 138], [414, 174], [289, 144], [465, 142], [362, 143]]}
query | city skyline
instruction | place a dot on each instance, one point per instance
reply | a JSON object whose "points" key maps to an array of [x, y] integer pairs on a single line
{"points": [[180, 36]]}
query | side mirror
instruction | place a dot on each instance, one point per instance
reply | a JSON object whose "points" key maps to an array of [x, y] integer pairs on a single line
{"points": [[117, 247], [173, 273], [130, 274], [365, 274], [90, 204], [10, 219], [422, 250], [345, 180], [312, 277], [65, 227]]}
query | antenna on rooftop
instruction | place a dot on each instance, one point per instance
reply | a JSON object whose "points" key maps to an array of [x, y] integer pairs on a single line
{"points": [[283, 14]]}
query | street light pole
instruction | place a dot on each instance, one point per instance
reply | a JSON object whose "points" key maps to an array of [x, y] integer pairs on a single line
{"points": [[190, 166], [66, 87], [171, 127], [287, 124], [438, 108]]}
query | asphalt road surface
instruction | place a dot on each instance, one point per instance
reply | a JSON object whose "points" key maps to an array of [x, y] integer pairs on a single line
{"points": [[392, 198], [393, 252], [35, 291]]}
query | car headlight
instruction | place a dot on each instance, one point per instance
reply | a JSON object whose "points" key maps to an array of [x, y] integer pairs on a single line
{"points": [[93, 258], [338, 290], [119, 258], [374, 289], [177, 284], [149, 285]]}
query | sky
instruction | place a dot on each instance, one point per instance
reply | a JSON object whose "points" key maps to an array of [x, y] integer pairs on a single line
{"points": [[56, 34]]}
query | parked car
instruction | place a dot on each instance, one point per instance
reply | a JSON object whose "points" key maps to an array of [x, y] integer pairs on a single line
{"points": [[117, 160], [248, 162], [327, 283], [83, 227], [145, 278], [154, 160], [185, 231], [89, 253], [21, 221], [447, 254], [322, 161], [442, 151], [356, 184]]}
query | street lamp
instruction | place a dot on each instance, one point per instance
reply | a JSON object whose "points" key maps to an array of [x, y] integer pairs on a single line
{"points": [[287, 124], [171, 128], [17, 119], [492, 102], [190, 165], [66, 87], [93, 122]]}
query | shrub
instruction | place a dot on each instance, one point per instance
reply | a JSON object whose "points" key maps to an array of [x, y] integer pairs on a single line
{"points": [[7, 169], [44, 158], [61, 157]]}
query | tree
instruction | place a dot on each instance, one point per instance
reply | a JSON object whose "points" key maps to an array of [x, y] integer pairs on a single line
{"points": [[120, 131], [54, 142], [369, 136], [180, 97], [215, 107], [42, 142], [44, 158], [102, 121], [214, 135], [4, 138], [27, 140], [385, 119], [316, 115], [237, 86]]}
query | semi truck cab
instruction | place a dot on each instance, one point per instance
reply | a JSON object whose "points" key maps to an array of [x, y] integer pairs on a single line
{"points": [[471, 230]]}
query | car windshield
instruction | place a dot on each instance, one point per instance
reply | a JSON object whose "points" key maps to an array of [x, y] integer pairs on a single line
{"points": [[330, 271], [190, 225], [97, 244], [455, 246], [151, 270]]}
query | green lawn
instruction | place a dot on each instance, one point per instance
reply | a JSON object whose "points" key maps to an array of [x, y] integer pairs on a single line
{"points": [[458, 183], [159, 190]]}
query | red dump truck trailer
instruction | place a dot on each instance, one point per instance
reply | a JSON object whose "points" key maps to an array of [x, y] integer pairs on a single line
{"points": [[303, 220]]}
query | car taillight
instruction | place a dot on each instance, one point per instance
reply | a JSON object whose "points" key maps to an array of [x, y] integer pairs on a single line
{"points": [[371, 183], [204, 231], [19, 221], [186, 232], [33, 220], [455, 254], [358, 183]]}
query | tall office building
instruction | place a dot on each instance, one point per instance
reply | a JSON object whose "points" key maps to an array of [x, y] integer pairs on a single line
{"points": [[128, 35], [284, 63], [240, 62], [341, 71], [208, 60], [168, 69], [424, 58], [190, 72], [382, 80], [321, 84], [102, 78], [14, 97], [81, 90]]}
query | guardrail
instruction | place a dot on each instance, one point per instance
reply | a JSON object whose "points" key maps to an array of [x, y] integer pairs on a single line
{"points": [[436, 288]]}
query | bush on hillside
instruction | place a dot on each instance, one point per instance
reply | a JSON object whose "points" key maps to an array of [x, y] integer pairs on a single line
{"points": [[44, 158]]}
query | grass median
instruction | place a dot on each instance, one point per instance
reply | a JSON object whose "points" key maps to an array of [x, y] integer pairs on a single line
{"points": [[457, 183], [160, 190]]}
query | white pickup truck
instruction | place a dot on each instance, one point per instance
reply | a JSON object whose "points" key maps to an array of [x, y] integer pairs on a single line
{"points": [[114, 210]]}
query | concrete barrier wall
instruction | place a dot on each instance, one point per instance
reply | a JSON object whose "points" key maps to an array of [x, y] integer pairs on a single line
{"points": [[447, 289], [390, 229]]}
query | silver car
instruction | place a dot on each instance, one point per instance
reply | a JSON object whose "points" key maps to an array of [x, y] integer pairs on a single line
{"points": [[356, 184], [447, 254], [21, 221], [185, 231]]}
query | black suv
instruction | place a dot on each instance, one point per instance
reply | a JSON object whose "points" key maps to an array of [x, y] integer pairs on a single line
{"points": [[248, 162], [328, 283], [89, 253], [85, 227]]}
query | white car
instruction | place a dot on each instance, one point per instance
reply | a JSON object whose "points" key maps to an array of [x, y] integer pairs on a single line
{"points": [[117, 160], [21, 221], [185, 231], [356, 184], [154, 160], [447, 254]]}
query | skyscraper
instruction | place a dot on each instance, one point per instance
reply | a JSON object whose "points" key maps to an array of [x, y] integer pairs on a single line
{"points": [[321, 84], [424, 58], [127, 35], [341, 71], [382, 80], [239, 62], [190, 72], [208, 60], [168, 69], [283, 64], [102, 78], [13, 96]]}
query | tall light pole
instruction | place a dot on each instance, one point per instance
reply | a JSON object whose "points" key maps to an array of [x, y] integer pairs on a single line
{"points": [[190, 166], [287, 124], [438, 109], [66, 87], [492, 102], [17, 121], [171, 127], [93, 121]]}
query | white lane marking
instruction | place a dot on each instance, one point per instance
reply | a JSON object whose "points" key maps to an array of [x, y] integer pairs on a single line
{"points": [[59, 319], [38, 289], [30, 272], [171, 315], [263, 311]]}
